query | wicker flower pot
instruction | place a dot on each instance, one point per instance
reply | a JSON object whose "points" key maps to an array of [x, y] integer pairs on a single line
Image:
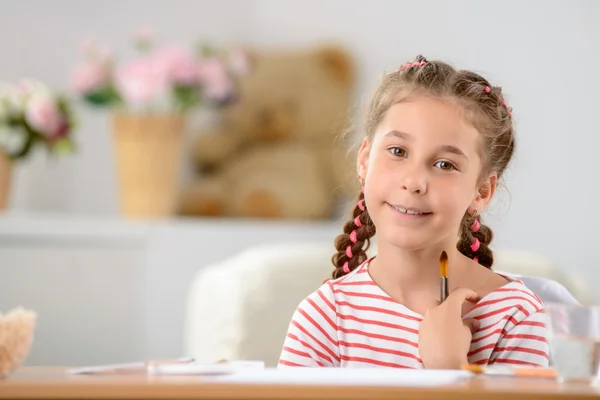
{"points": [[5, 180], [148, 158]]}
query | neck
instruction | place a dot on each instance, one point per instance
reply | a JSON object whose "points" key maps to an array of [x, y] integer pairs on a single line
{"points": [[413, 269]]}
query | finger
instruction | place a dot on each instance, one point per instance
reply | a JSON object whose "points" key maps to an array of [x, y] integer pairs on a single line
{"points": [[434, 304], [458, 297], [472, 324]]}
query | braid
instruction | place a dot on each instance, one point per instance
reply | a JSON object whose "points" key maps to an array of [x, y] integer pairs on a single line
{"points": [[472, 231], [350, 245]]}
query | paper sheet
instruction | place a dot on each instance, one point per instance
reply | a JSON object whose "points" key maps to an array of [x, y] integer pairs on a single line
{"points": [[204, 368], [344, 376], [137, 367]]}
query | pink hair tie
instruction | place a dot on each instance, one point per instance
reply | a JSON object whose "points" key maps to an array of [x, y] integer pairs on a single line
{"points": [[475, 245], [476, 259], [357, 221], [475, 226], [346, 268], [413, 64], [361, 204], [349, 251], [353, 237], [507, 107]]}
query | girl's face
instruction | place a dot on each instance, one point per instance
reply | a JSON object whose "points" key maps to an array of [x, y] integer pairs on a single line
{"points": [[422, 173]]}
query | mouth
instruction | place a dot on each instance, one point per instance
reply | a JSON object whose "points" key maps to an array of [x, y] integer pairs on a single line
{"points": [[410, 211]]}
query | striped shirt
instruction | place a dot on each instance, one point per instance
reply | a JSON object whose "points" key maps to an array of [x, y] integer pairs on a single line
{"points": [[351, 322]]}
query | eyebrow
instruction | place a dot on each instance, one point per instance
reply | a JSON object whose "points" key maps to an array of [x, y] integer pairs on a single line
{"points": [[454, 150], [399, 135], [445, 148]]}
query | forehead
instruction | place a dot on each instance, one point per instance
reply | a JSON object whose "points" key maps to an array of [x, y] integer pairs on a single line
{"points": [[431, 121]]}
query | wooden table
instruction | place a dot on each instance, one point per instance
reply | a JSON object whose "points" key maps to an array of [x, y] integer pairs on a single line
{"points": [[53, 383]]}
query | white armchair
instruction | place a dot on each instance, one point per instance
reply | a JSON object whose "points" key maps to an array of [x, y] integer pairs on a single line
{"points": [[241, 308]]}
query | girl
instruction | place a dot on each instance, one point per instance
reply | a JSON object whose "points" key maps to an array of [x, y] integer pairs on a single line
{"points": [[437, 142]]}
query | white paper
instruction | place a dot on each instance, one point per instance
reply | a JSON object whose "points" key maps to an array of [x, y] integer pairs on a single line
{"points": [[138, 366], [107, 368], [204, 369], [345, 376]]}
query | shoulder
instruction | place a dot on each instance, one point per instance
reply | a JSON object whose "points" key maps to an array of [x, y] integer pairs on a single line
{"points": [[512, 302], [321, 300], [326, 297]]}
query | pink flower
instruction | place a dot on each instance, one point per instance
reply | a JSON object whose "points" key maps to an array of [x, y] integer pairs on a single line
{"points": [[89, 77], [215, 79], [141, 81], [43, 115], [178, 65]]}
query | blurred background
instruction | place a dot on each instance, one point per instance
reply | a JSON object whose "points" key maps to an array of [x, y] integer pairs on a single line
{"points": [[111, 216]]}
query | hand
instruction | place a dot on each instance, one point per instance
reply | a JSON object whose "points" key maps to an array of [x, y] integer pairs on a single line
{"points": [[444, 337]]}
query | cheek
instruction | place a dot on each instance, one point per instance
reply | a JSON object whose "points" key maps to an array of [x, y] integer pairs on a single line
{"points": [[453, 195], [380, 167]]}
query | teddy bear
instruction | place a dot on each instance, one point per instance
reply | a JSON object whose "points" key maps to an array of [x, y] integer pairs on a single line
{"points": [[276, 152]]}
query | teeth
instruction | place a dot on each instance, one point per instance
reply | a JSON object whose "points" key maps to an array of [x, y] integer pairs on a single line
{"points": [[410, 212]]}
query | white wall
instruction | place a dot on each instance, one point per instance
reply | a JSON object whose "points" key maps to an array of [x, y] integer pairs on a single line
{"points": [[544, 53]]}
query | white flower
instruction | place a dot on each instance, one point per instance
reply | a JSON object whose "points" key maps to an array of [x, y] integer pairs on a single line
{"points": [[4, 110], [13, 98], [28, 87], [10, 104], [12, 141], [21, 92]]}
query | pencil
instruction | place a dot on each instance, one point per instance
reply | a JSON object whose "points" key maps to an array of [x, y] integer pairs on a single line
{"points": [[525, 372], [443, 276]]}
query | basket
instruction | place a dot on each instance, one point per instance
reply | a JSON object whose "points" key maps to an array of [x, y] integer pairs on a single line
{"points": [[16, 337], [6, 165], [148, 158]]}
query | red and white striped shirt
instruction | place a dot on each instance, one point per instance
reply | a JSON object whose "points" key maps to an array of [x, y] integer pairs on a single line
{"points": [[351, 322]]}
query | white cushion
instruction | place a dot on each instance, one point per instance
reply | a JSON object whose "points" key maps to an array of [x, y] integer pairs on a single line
{"points": [[241, 308]]}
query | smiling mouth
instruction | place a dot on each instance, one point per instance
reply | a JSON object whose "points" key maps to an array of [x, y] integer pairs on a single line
{"points": [[409, 211]]}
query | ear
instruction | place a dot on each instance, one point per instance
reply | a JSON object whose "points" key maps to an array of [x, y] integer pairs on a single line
{"points": [[337, 62], [485, 193], [362, 160]]}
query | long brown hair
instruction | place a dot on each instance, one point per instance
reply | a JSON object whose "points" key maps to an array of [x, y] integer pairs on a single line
{"points": [[483, 106]]}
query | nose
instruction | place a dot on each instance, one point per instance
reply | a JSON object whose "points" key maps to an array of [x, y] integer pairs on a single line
{"points": [[414, 181]]}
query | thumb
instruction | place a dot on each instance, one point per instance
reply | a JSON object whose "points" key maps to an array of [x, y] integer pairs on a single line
{"points": [[472, 324]]}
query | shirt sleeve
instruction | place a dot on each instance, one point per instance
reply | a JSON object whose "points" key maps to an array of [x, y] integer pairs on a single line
{"points": [[311, 339], [525, 343]]}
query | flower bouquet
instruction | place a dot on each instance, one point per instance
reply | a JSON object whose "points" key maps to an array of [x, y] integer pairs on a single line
{"points": [[149, 96], [31, 115]]}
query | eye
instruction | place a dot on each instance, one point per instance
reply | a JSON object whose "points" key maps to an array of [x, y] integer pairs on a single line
{"points": [[398, 151], [445, 165]]}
